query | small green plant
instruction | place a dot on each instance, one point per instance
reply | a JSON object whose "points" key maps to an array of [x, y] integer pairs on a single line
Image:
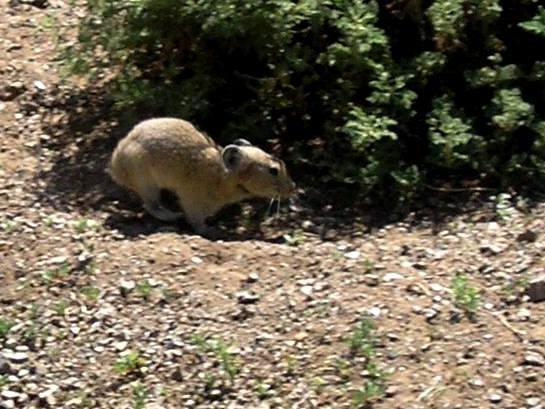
{"points": [[3, 380], [220, 350], [140, 395], [30, 333], [504, 209], [371, 390], [9, 226], [209, 382], [226, 359], [362, 342], [60, 307], [5, 326], [263, 390], [465, 296], [368, 266], [83, 225], [91, 293], [144, 288], [129, 363], [48, 276], [362, 339], [294, 239]]}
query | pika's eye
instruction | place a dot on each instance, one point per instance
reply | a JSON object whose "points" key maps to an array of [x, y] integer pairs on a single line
{"points": [[273, 171]]}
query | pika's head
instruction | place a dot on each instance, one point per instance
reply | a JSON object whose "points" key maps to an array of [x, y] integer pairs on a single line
{"points": [[257, 173]]}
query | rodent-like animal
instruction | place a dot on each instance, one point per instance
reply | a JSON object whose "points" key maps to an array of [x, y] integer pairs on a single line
{"points": [[162, 158]]}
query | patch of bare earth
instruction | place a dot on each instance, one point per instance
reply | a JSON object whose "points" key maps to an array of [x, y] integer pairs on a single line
{"points": [[101, 307]]}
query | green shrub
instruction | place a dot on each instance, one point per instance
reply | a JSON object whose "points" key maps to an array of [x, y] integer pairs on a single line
{"points": [[387, 96]]}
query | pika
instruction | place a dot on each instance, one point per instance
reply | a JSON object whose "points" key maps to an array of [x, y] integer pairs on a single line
{"points": [[168, 159]]}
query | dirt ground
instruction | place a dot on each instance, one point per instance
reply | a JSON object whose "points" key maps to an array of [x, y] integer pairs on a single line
{"points": [[103, 307]]}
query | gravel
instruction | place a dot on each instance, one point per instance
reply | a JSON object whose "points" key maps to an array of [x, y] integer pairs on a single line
{"points": [[102, 307]]}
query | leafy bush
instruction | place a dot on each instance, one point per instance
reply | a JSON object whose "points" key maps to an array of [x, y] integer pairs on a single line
{"points": [[387, 96]]}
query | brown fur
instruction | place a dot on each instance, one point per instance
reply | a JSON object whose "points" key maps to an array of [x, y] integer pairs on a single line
{"points": [[169, 153]]}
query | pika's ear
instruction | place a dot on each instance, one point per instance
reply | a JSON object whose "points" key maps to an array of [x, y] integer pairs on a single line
{"points": [[242, 142], [231, 156]]}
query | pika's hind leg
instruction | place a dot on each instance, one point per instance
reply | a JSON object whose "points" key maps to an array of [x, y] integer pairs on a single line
{"points": [[196, 212], [151, 197]]}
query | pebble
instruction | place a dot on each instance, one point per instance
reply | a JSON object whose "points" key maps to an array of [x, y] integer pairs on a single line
{"points": [[374, 312], [353, 255], [7, 394], [536, 289], [392, 276], [121, 345], [126, 286], [371, 280], [436, 287], [534, 358], [478, 383], [307, 290], [39, 85], [58, 260], [532, 402], [252, 278], [247, 297], [495, 398], [5, 367], [196, 260], [16, 357], [47, 397], [8, 404]]}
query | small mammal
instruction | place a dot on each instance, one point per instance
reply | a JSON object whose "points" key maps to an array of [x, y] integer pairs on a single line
{"points": [[168, 159]]}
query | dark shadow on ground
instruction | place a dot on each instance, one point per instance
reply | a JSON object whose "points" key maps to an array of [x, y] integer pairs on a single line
{"points": [[84, 129]]}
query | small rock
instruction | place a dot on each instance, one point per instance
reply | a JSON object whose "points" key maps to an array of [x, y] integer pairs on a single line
{"points": [[12, 91], [42, 4], [430, 314], [353, 255], [495, 398], [392, 276], [7, 394], [532, 402], [177, 375], [252, 278], [523, 314], [58, 260], [300, 336], [39, 85], [7, 404], [371, 280], [436, 287], [247, 297], [307, 290], [531, 376], [126, 286], [390, 391], [16, 357], [121, 345], [529, 236], [47, 397], [536, 289], [5, 367], [478, 383], [196, 260], [374, 312], [534, 358]]}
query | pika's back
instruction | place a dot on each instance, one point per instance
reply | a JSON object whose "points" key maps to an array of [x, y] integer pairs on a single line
{"points": [[170, 136]]}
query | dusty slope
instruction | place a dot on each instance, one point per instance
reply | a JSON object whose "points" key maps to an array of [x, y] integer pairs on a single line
{"points": [[101, 307]]}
